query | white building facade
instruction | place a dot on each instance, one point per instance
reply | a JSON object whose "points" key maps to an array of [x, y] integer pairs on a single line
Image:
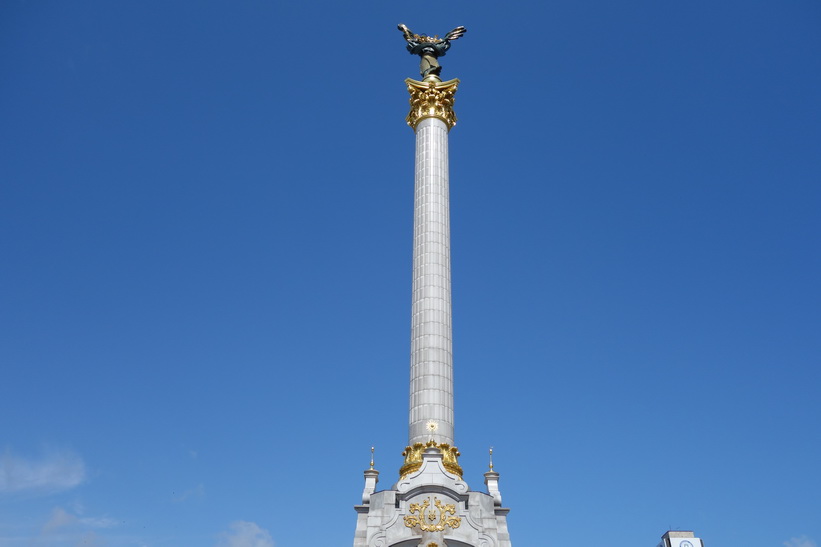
{"points": [[680, 538]]}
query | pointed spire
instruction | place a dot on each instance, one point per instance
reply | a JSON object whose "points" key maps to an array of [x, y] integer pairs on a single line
{"points": [[371, 478], [492, 482]]}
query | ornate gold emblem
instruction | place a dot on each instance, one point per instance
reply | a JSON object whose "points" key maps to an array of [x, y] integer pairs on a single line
{"points": [[432, 519], [431, 99], [413, 458]]}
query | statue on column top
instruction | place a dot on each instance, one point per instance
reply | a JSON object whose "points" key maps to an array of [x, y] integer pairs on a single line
{"points": [[430, 48]]}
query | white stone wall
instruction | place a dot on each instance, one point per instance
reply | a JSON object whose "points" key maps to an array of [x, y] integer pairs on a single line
{"points": [[431, 384]]}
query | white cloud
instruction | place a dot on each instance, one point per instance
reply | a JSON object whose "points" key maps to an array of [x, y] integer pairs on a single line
{"points": [[90, 539], [802, 541], [65, 527], [245, 534], [196, 492], [59, 519], [98, 522], [54, 472], [77, 507]]}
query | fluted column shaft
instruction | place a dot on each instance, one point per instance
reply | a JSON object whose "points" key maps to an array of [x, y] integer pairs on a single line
{"points": [[431, 383]]}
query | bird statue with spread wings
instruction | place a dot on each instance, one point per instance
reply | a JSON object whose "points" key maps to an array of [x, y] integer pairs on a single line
{"points": [[430, 48]]}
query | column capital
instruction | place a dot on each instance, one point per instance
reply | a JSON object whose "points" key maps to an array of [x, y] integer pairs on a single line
{"points": [[432, 98]]}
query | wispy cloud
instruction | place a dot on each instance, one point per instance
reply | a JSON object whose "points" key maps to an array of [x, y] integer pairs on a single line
{"points": [[98, 522], [802, 541], [60, 518], [64, 527], [91, 539], [245, 534], [196, 492], [54, 472]]}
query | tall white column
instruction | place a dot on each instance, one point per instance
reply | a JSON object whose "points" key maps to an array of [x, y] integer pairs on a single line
{"points": [[431, 381], [431, 384], [430, 504]]}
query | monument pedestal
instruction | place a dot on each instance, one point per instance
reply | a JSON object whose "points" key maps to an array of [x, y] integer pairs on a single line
{"points": [[431, 506]]}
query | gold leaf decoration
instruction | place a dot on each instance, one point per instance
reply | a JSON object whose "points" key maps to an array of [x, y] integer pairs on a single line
{"points": [[431, 99], [432, 519], [413, 458]]}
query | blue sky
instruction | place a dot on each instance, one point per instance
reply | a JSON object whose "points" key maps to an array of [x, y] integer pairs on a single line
{"points": [[205, 225]]}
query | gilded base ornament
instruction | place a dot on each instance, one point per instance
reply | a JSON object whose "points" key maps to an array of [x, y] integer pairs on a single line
{"points": [[432, 519], [432, 99], [413, 458]]}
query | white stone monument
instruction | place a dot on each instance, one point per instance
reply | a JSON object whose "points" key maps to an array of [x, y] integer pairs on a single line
{"points": [[430, 505]]}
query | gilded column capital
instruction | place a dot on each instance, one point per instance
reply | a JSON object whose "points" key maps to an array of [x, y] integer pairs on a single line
{"points": [[431, 99]]}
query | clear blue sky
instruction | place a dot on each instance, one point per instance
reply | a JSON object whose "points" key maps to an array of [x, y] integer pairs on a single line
{"points": [[205, 231]]}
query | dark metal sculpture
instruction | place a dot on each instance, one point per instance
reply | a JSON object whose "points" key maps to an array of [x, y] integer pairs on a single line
{"points": [[430, 48]]}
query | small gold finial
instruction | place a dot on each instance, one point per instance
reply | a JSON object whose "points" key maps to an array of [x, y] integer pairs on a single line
{"points": [[432, 426], [491, 458], [371, 457]]}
